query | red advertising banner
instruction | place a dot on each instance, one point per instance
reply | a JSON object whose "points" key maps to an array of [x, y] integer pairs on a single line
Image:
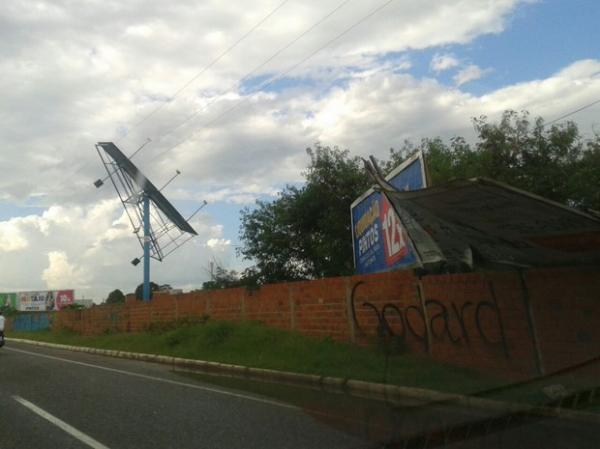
{"points": [[395, 238], [64, 298]]}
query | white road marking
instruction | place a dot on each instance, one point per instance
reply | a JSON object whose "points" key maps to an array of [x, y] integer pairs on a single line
{"points": [[160, 379], [86, 439]]}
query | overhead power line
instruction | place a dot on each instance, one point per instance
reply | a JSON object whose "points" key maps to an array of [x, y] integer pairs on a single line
{"points": [[283, 74], [211, 64], [194, 78], [249, 74], [568, 114]]}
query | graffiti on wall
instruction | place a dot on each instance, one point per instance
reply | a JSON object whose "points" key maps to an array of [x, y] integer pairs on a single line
{"points": [[436, 321]]}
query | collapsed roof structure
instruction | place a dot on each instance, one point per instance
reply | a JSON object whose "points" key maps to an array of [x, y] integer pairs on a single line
{"points": [[479, 223]]}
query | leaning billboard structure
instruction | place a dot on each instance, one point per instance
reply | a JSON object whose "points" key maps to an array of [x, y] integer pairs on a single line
{"points": [[379, 239]]}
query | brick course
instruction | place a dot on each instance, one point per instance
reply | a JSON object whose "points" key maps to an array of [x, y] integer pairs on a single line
{"points": [[501, 322]]}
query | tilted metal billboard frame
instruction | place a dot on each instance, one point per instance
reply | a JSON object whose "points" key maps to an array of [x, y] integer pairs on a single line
{"points": [[153, 218]]}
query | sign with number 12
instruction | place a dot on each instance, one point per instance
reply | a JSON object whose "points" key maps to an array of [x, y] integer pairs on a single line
{"points": [[395, 239]]}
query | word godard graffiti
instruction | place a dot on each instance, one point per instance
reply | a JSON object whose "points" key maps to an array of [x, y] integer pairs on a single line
{"points": [[458, 323]]}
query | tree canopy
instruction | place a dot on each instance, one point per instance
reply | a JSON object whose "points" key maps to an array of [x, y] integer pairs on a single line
{"points": [[554, 162], [115, 297], [139, 291], [223, 278], [305, 232]]}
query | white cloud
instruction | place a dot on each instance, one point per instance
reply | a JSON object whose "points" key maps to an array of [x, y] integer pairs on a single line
{"points": [[372, 115], [12, 237], [236, 193], [441, 62], [218, 244], [61, 272], [77, 73], [13, 233], [470, 73]]}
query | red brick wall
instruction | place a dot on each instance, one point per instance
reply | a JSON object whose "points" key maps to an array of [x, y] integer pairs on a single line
{"points": [[566, 307], [506, 322]]}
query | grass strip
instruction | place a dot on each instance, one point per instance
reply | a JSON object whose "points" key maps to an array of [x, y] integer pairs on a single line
{"points": [[256, 345]]}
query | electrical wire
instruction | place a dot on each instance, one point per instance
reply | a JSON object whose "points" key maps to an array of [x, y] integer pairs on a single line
{"points": [[256, 69], [191, 80], [568, 114], [210, 64], [282, 75]]}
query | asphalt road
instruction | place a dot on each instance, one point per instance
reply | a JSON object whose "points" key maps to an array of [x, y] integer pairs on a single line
{"points": [[59, 399], [51, 398]]}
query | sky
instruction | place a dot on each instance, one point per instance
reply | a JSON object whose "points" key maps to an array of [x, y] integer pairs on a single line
{"points": [[233, 106]]}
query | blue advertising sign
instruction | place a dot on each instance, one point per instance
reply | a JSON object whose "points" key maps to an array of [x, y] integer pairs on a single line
{"points": [[380, 242]]}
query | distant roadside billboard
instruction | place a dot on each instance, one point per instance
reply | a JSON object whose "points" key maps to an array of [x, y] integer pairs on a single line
{"points": [[379, 240], [38, 301]]}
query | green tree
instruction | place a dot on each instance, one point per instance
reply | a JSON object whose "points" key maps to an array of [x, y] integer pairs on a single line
{"points": [[305, 233], [73, 307], [223, 278], [115, 297], [585, 185], [554, 162]]}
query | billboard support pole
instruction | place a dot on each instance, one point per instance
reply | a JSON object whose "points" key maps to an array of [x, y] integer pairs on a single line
{"points": [[147, 237]]}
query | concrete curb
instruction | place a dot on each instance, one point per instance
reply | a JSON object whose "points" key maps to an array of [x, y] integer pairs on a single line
{"points": [[407, 396]]}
